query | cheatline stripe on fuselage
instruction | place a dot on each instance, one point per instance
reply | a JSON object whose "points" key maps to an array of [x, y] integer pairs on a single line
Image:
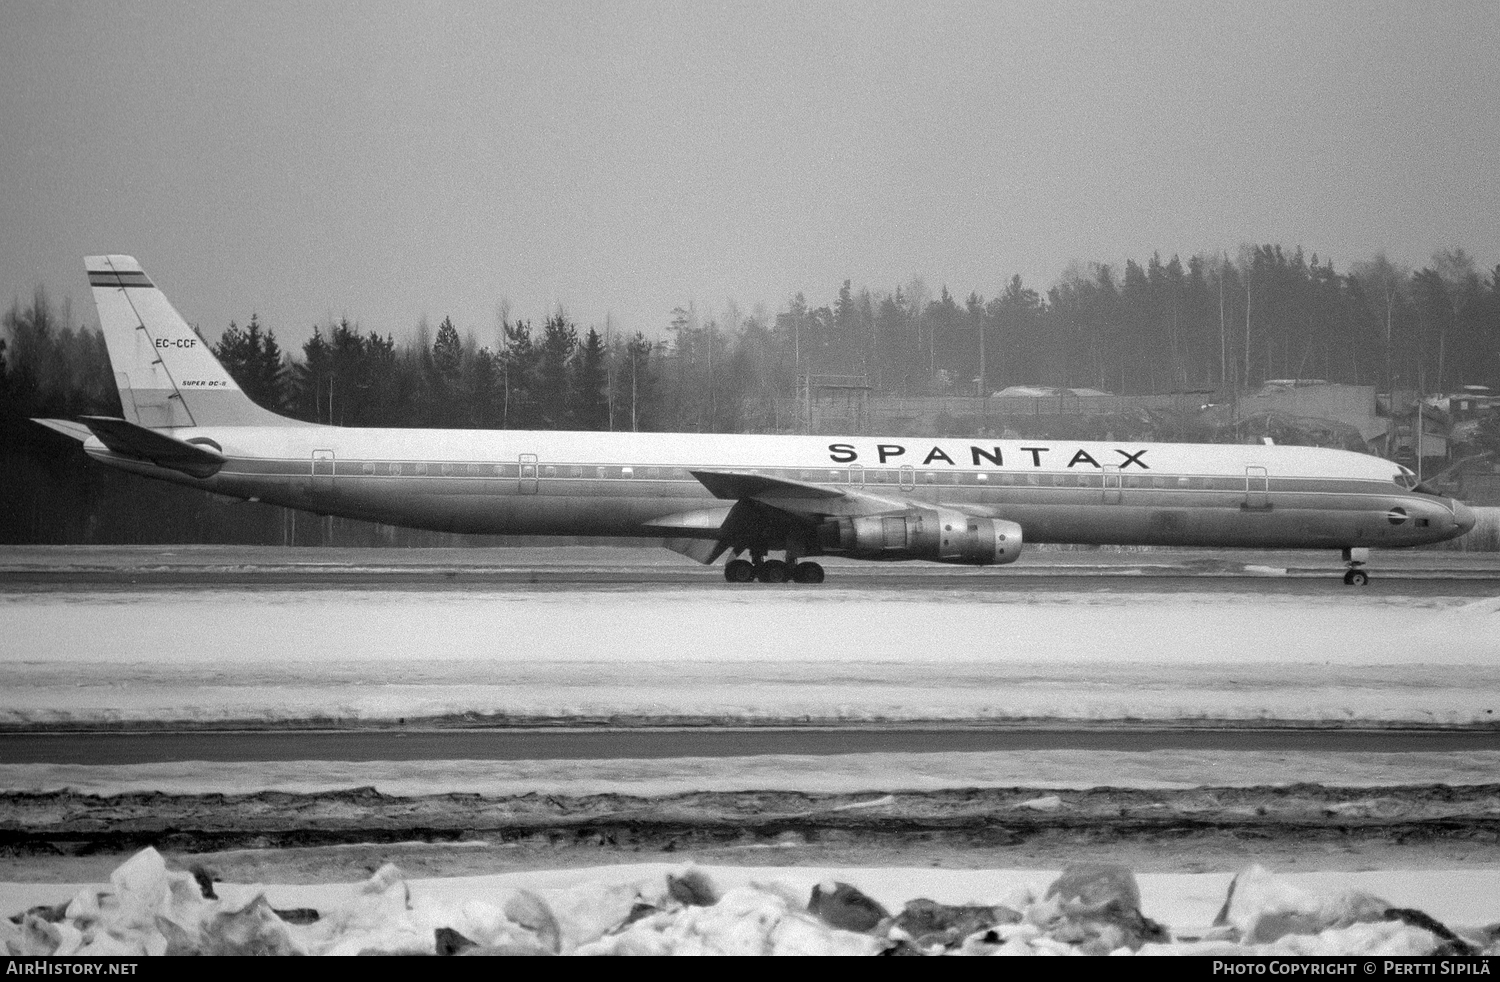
{"points": [[352, 468]]}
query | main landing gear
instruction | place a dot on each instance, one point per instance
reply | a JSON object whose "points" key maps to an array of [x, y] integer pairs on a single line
{"points": [[763, 570], [1353, 560]]}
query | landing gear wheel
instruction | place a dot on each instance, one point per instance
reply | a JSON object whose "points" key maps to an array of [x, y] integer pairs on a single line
{"points": [[1356, 577], [773, 571], [739, 571], [807, 573]]}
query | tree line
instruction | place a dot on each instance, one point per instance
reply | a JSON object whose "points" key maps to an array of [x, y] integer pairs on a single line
{"points": [[1208, 323]]}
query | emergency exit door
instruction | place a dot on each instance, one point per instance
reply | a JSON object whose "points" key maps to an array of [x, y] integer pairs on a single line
{"points": [[322, 471]]}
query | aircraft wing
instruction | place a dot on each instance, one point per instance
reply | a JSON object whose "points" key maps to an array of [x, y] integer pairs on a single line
{"points": [[764, 508], [798, 498], [132, 440]]}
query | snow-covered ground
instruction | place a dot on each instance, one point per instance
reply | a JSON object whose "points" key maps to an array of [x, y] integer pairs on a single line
{"points": [[842, 655], [838, 654]]}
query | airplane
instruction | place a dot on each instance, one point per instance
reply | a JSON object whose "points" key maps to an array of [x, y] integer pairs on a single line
{"points": [[958, 501]]}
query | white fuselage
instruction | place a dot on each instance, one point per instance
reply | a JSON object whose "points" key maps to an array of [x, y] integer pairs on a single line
{"points": [[636, 484]]}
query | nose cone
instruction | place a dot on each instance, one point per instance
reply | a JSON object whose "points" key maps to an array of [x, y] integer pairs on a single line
{"points": [[1463, 516]]}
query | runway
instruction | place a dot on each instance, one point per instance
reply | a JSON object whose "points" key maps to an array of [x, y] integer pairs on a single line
{"points": [[185, 568], [118, 749]]}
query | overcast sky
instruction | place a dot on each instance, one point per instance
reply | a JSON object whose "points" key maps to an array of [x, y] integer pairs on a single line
{"points": [[387, 161]]}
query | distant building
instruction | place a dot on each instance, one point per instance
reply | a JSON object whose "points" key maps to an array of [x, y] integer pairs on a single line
{"points": [[1351, 405], [1044, 392]]}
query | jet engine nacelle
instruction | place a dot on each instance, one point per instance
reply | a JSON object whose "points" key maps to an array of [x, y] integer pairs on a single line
{"points": [[935, 534]]}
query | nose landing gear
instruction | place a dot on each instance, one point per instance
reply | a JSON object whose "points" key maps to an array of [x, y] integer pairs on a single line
{"points": [[1354, 558]]}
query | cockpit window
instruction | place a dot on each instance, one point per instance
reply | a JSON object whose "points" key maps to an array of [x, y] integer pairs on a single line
{"points": [[1408, 480]]}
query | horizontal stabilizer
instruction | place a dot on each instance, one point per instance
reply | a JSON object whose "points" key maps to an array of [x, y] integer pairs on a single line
{"points": [[130, 440], [67, 427], [735, 485]]}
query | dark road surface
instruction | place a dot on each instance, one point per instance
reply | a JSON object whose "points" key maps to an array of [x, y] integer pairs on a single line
{"points": [[614, 744], [106, 568]]}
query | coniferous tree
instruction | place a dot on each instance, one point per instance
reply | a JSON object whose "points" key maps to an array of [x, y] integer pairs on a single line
{"points": [[555, 355], [518, 360], [591, 404]]}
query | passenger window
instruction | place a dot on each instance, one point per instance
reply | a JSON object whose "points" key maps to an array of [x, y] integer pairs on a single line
{"points": [[421, 469], [367, 468], [1183, 482], [627, 472], [395, 470], [549, 471], [835, 477], [604, 472], [982, 478], [929, 477]]}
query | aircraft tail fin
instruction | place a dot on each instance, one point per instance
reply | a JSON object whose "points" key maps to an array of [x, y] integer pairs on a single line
{"points": [[166, 374]]}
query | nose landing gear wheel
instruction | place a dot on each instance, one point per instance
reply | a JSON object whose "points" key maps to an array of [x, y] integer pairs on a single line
{"points": [[739, 571], [807, 573], [1356, 577]]}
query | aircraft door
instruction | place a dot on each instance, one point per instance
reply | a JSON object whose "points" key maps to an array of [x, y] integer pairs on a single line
{"points": [[528, 473], [1257, 489], [908, 477], [322, 471], [1112, 490]]}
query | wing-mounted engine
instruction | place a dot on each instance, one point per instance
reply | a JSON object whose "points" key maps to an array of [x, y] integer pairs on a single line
{"points": [[936, 534]]}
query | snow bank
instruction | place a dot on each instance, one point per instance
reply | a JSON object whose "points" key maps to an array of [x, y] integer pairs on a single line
{"points": [[148, 909], [834, 655]]}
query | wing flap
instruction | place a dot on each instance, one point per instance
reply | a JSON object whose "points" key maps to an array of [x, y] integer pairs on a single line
{"points": [[693, 524], [704, 551], [132, 440]]}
